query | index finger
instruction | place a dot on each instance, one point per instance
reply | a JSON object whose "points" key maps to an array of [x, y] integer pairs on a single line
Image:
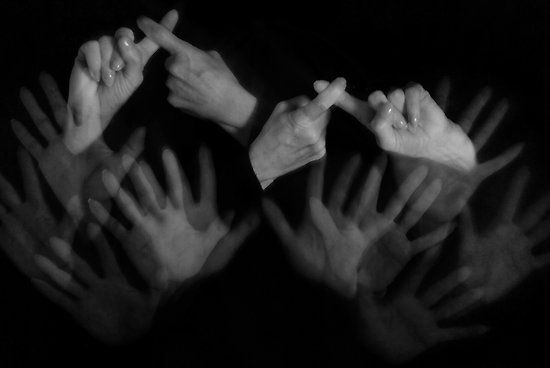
{"points": [[147, 46], [163, 37], [324, 100]]}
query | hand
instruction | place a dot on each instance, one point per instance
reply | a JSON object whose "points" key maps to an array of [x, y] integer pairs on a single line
{"points": [[173, 236], [105, 74], [426, 132], [294, 135], [70, 176], [107, 305], [382, 262], [329, 245], [502, 256], [459, 185], [401, 325], [200, 82], [29, 224]]}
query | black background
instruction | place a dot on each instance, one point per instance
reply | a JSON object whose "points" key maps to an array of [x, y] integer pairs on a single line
{"points": [[258, 312]]}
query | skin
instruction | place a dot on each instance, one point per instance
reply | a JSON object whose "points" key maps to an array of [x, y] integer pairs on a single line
{"points": [[106, 305], [173, 237], [404, 323], [331, 243], [201, 83], [413, 127], [26, 225], [106, 73], [70, 176], [502, 256], [294, 135]]}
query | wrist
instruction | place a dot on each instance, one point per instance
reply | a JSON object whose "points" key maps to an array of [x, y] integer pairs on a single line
{"points": [[239, 108], [257, 160]]}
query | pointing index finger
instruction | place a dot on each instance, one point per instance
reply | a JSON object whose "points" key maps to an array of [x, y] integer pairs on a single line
{"points": [[148, 46], [160, 35], [320, 104]]}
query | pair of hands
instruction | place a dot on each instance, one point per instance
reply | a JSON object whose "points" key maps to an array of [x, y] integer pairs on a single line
{"points": [[337, 246], [412, 126], [71, 176], [173, 237], [105, 74], [201, 84], [359, 252]]}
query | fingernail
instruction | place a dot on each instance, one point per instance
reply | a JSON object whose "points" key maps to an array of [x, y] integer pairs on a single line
{"points": [[401, 124], [110, 78], [125, 42], [116, 66]]}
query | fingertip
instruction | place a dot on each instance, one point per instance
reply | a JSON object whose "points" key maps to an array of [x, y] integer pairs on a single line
{"points": [[340, 82], [110, 182], [45, 78], [24, 93], [320, 85], [116, 64]]}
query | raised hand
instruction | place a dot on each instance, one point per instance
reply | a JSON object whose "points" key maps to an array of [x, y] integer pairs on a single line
{"points": [[172, 235], [404, 323], [71, 176], [105, 74], [29, 223], [200, 82], [331, 243], [458, 185], [502, 256], [294, 135], [106, 305]]}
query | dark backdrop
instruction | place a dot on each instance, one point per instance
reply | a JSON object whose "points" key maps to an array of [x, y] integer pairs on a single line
{"points": [[259, 312]]}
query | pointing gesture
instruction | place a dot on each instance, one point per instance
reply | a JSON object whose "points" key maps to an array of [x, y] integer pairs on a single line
{"points": [[200, 82], [294, 135]]}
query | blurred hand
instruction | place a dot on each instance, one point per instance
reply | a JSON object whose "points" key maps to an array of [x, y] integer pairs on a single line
{"points": [[70, 176], [459, 185], [502, 256], [404, 323], [294, 135], [29, 223], [329, 245], [173, 237], [105, 74], [106, 305], [200, 82]]}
